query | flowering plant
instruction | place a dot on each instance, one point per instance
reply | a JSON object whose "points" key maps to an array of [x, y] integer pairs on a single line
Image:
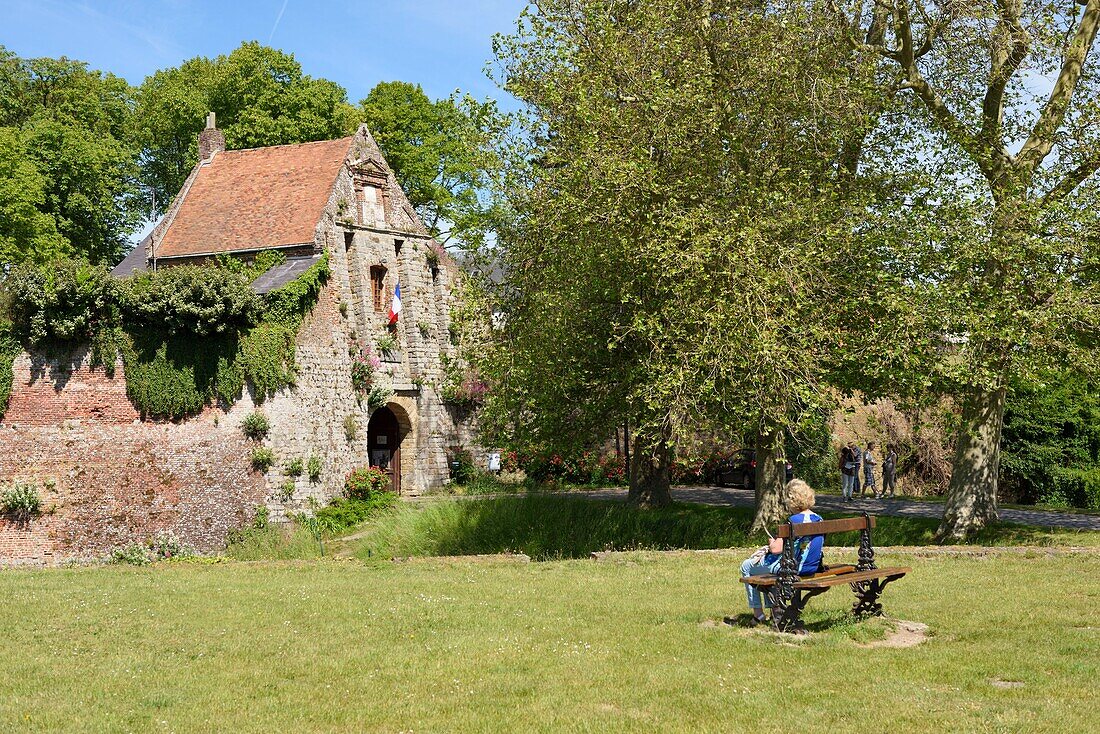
{"points": [[364, 482]]}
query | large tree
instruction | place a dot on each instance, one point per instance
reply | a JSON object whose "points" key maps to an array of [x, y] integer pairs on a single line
{"points": [[687, 230], [1004, 97], [445, 153], [68, 173], [260, 97]]}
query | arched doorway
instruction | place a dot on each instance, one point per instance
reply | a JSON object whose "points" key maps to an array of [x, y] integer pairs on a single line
{"points": [[384, 443]]}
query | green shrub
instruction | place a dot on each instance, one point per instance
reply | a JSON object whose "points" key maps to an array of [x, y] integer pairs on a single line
{"points": [[192, 299], [9, 350], [463, 468], [294, 467], [133, 554], [65, 301], [255, 426], [286, 492], [378, 396], [343, 514], [365, 482], [21, 500], [1072, 487], [387, 344], [266, 358], [165, 545], [314, 468], [351, 427], [263, 458], [288, 305]]}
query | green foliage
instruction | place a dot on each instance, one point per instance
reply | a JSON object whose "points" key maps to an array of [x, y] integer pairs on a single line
{"points": [[444, 154], [351, 428], [27, 232], [314, 468], [9, 350], [266, 358], [64, 302], [344, 514], [255, 426], [261, 98], [1051, 442], [68, 166], [263, 458], [364, 482], [21, 500], [172, 376], [286, 491], [163, 546], [131, 554], [464, 469], [386, 344], [188, 335], [295, 467], [190, 299], [378, 396], [287, 306]]}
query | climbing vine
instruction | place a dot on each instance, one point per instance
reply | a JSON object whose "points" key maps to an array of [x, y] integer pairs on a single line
{"points": [[9, 349], [189, 336]]}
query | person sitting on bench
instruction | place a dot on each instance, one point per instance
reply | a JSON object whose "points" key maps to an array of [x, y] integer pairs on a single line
{"points": [[807, 551]]}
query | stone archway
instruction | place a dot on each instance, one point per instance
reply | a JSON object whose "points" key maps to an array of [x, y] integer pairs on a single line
{"points": [[391, 444]]}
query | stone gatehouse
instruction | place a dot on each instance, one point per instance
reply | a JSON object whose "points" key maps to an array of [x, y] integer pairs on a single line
{"points": [[108, 476]]}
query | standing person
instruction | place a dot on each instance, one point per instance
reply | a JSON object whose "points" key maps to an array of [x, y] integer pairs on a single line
{"points": [[857, 458], [869, 463], [847, 471], [889, 471]]}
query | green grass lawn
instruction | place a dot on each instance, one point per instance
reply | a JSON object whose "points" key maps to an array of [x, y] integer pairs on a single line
{"points": [[448, 645]]}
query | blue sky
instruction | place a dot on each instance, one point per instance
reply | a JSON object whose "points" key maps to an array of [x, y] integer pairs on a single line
{"points": [[441, 44]]}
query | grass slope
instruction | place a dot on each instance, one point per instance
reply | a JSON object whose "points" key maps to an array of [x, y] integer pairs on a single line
{"points": [[444, 645], [560, 526]]}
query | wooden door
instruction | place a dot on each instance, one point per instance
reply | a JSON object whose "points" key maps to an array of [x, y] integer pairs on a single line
{"points": [[384, 444]]}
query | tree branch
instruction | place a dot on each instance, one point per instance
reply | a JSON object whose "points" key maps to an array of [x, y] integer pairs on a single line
{"points": [[1041, 140], [1073, 179], [1004, 62], [941, 113]]}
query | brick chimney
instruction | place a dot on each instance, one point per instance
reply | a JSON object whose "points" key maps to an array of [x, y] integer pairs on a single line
{"points": [[211, 140]]}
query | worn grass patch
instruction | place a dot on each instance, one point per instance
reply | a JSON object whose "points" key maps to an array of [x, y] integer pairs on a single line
{"points": [[442, 645]]}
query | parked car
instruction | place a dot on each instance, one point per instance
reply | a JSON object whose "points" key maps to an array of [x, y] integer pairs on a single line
{"points": [[739, 470]]}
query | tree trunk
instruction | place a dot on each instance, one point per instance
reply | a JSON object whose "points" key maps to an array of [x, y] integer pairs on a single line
{"points": [[971, 500], [649, 470], [770, 475]]}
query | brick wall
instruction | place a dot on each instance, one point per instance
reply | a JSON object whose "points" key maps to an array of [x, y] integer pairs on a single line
{"points": [[104, 484]]}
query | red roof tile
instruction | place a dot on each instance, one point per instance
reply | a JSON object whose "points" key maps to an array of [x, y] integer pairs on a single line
{"points": [[257, 198]]}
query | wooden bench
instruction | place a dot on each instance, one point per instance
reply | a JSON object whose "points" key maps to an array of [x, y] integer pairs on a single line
{"points": [[788, 592]]}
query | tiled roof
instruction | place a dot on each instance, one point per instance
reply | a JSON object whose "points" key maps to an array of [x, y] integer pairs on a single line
{"points": [[257, 198]]}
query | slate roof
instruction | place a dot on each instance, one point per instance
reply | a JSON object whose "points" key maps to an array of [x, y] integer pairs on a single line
{"points": [[254, 199], [133, 262], [283, 273]]}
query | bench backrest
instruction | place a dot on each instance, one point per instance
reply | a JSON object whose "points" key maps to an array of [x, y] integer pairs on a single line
{"points": [[825, 527]]}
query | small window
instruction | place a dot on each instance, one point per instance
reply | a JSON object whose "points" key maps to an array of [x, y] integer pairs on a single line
{"points": [[378, 286], [397, 247], [349, 240]]}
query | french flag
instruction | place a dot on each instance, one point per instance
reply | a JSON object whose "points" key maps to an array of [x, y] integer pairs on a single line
{"points": [[395, 307]]}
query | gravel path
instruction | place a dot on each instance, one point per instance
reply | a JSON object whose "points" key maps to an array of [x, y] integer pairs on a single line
{"points": [[730, 497]]}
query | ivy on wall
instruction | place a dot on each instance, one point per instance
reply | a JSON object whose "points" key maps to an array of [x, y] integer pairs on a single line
{"points": [[9, 350], [189, 336]]}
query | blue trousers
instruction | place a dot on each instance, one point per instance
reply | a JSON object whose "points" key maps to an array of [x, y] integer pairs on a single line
{"points": [[770, 564]]}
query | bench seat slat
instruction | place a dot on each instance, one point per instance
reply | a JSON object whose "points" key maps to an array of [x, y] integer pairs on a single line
{"points": [[769, 579], [851, 578]]}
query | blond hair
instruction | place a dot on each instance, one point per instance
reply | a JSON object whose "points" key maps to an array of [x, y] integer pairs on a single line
{"points": [[800, 496]]}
